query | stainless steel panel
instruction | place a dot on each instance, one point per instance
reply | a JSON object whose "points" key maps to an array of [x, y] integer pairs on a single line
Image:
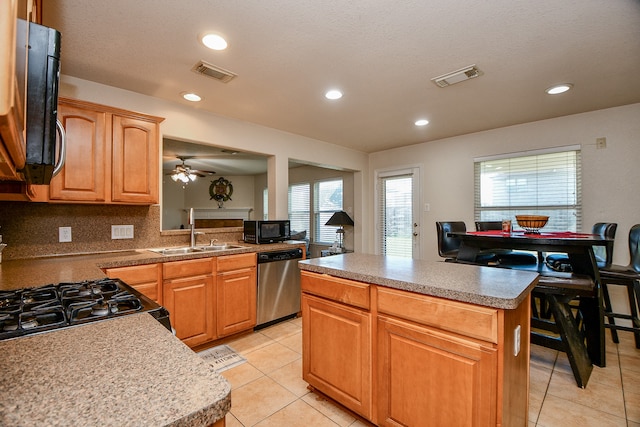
{"points": [[278, 290]]}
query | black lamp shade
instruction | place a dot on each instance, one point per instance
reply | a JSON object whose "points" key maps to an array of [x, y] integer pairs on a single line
{"points": [[339, 219]]}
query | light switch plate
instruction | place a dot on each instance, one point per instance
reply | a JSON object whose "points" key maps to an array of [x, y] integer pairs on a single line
{"points": [[121, 232]]}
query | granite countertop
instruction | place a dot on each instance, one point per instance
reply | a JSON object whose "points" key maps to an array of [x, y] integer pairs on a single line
{"points": [[30, 272], [487, 286], [124, 371]]}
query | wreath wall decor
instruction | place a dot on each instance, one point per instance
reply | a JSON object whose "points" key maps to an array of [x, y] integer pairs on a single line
{"points": [[220, 190]]}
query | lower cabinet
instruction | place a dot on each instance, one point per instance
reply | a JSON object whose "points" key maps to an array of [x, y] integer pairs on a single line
{"points": [[147, 279], [424, 374], [207, 298], [434, 361], [337, 352], [236, 294], [189, 295]]}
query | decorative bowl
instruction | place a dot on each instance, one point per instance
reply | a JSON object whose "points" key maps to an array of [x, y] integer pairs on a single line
{"points": [[532, 223]]}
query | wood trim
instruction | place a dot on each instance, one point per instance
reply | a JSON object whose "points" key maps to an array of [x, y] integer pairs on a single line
{"points": [[462, 318], [188, 268], [337, 289], [236, 262], [108, 109]]}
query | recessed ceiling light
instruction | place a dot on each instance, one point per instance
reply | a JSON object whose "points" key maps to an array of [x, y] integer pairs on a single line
{"points": [[561, 88], [191, 96], [422, 122], [333, 94], [214, 41]]}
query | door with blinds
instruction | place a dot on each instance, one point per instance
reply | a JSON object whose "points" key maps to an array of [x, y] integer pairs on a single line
{"points": [[397, 201]]}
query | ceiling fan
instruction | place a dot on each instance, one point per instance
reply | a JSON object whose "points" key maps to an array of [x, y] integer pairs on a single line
{"points": [[184, 174]]}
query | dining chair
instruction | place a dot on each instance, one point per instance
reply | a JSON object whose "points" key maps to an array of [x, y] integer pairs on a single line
{"points": [[448, 247], [507, 257], [604, 256], [629, 277]]}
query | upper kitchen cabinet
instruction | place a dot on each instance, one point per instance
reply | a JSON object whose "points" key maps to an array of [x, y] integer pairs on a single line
{"points": [[112, 155], [14, 36]]}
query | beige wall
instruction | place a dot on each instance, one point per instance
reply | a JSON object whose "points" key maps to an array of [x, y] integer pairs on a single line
{"points": [[610, 175], [186, 123]]}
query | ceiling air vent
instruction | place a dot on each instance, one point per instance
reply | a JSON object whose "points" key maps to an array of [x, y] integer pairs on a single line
{"points": [[457, 76], [214, 72]]}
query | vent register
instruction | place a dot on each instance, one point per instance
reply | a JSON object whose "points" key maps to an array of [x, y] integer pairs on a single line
{"points": [[214, 72], [457, 76]]}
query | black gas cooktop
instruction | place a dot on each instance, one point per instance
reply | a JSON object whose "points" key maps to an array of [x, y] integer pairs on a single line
{"points": [[32, 310]]}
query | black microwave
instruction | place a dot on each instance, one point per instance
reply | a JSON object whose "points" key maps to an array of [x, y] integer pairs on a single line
{"points": [[43, 75], [258, 232]]}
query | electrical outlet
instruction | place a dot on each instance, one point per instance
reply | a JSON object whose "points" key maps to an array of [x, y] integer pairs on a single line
{"points": [[64, 234], [516, 341], [601, 143], [121, 232]]}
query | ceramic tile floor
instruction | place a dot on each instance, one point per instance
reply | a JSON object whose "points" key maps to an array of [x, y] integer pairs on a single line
{"points": [[268, 390]]}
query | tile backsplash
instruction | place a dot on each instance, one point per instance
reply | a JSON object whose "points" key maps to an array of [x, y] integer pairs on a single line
{"points": [[31, 229]]}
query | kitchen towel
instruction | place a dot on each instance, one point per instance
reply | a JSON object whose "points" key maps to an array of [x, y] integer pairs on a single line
{"points": [[222, 357]]}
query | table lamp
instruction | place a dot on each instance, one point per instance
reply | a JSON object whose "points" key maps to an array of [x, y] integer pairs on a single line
{"points": [[340, 219]]}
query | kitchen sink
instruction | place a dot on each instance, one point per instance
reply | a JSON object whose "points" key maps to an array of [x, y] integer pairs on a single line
{"points": [[223, 247], [177, 251], [198, 249]]}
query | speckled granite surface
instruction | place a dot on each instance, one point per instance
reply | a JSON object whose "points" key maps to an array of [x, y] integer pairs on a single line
{"points": [[23, 273], [128, 371], [487, 286]]}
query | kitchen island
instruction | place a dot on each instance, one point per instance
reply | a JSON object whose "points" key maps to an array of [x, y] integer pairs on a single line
{"points": [[402, 341]]}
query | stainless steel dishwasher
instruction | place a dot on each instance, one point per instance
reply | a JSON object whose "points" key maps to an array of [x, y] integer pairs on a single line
{"points": [[278, 286]]}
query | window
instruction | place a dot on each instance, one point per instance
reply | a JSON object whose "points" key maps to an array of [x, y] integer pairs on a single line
{"points": [[299, 207], [327, 201], [547, 182], [265, 204]]}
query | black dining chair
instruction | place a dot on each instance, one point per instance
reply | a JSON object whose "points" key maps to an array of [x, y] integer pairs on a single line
{"points": [[448, 247], [604, 256], [629, 277], [507, 257]]}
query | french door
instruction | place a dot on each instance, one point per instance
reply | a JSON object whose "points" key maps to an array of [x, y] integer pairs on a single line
{"points": [[397, 201]]}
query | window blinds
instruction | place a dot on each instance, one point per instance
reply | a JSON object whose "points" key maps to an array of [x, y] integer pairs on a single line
{"points": [[548, 183]]}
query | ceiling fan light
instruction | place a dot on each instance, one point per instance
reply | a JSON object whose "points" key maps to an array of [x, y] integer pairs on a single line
{"points": [[174, 177], [192, 177]]}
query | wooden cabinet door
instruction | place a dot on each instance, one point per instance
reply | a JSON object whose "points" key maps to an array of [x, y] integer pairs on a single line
{"points": [[83, 176], [191, 309], [336, 355], [135, 169], [426, 374], [146, 279], [236, 294]]}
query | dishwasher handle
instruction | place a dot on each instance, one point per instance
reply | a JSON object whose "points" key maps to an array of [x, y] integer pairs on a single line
{"points": [[275, 256]]}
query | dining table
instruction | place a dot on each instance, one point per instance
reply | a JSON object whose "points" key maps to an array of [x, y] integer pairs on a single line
{"points": [[584, 344]]}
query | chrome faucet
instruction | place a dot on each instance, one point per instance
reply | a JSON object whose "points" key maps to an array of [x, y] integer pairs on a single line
{"points": [[192, 223]]}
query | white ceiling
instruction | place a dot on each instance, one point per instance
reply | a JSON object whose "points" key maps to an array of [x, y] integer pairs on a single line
{"points": [[381, 53]]}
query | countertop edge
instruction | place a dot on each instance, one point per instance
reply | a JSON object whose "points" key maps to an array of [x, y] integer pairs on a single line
{"points": [[527, 281]]}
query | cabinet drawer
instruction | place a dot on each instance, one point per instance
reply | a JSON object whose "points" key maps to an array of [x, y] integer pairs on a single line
{"points": [[336, 289], [464, 319], [135, 274], [187, 268], [236, 262]]}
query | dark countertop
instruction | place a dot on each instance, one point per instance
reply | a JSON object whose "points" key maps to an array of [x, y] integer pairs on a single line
{"points": [[486, 286]]}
